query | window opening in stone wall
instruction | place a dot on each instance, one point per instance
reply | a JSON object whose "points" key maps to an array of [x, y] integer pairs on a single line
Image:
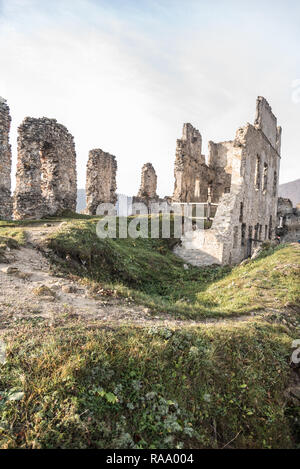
{"points": [[241, 212], [256, 233], [265, 179], [197, 188], [257, 172], [243, 234], [270, 227]]}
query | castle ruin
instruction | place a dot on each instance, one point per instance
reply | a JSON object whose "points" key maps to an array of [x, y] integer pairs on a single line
{"points": [[5, 162], [242, 177], [237, 184], [190, 168], [100, 180], [288, 221], [46, 170]]}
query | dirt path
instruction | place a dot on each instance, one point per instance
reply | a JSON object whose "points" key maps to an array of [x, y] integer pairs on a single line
{"points": [[28, 289]]}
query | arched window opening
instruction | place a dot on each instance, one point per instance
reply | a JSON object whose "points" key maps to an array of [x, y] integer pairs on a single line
{"points": [[241, 212]]}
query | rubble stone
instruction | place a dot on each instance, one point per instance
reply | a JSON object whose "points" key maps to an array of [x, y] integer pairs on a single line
{"points": [[192, 175]]}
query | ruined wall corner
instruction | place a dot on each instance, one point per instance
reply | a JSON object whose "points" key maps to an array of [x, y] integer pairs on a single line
{"points": [[148, 185], [265, 120]]}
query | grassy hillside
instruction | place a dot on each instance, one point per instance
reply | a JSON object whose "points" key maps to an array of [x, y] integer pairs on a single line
{"points": [[92, 384], [147, 270]]}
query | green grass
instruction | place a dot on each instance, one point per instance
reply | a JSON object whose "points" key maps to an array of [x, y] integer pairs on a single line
{"points": [[148, 271], [128, 387], [27, 223], [11, 238], [13, 232], [80, 384]]}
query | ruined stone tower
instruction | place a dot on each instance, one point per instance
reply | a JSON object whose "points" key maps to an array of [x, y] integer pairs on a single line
{"points": [[5, 162], [190, 168], [101, 183], [147, 193], [148, 182], [46, 169]]}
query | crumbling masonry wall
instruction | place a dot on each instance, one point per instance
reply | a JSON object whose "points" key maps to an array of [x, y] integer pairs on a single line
{"points": [[5, 162], [247, 210], [101, 183], [148, 182], [220, 162], [192, 175], [196, 180], [46, 170]]}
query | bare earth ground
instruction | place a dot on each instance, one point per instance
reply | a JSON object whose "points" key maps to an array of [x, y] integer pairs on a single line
{"points": [[23, 296]]}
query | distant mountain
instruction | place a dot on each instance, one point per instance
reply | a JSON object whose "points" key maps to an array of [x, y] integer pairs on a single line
{"points": [[124, 202], [291, 190], [81, 203]]}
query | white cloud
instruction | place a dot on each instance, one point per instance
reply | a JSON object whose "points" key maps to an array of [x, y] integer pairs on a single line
{"points": [[126, 80]]}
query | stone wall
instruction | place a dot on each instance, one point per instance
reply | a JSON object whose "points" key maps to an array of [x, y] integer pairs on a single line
{"points": [[101, 183], [46, 169], [5, 162], [247, 210], [196, 180], [288, 221], [148, 182], [192, 175], [220, 158]]}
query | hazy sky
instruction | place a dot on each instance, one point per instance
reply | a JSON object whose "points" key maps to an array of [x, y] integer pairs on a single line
{"points": [[124, 75]]}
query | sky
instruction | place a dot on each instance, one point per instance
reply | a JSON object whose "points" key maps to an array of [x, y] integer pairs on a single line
{"points": [[124, 75]]}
